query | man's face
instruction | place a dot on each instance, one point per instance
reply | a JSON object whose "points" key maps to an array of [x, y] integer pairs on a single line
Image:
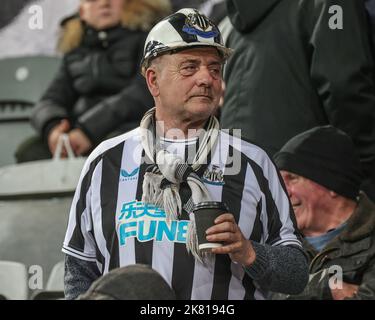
{"points": [[189, 83], [101, 14], [307, 198]]}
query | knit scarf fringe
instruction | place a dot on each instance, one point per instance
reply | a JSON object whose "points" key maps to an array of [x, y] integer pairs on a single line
{"points": [[162, 180]]}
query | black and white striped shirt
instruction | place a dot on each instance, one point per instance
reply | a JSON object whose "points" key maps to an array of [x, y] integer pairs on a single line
{"points": [[109, 224]]}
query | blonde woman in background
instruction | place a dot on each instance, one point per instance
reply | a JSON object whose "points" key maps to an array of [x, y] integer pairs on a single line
{"points": [[98, 91]]}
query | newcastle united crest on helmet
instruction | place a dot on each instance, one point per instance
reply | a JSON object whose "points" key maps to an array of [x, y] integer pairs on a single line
{"points": [[198, 24], [187, 28]]}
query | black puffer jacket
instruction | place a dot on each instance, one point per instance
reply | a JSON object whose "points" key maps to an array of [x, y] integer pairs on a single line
{"points": [[290, 72], [98, 87]]}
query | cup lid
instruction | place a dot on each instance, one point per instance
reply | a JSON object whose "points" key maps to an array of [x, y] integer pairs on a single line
{"points": [[211, 205]]}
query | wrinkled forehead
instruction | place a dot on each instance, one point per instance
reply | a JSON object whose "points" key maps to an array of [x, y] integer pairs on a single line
{"points": [[202, 54]]}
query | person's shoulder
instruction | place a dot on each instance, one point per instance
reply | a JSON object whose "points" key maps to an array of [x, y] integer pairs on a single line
{"points": [[130, 39], [247, 147], [366, 205], [108, 145], [75, 54]]}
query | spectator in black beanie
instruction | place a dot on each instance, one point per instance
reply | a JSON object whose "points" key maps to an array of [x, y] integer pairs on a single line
{"points": [[321, 171]]}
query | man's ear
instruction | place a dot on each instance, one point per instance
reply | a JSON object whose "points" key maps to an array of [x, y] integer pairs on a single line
{"points": [[151, 76]]}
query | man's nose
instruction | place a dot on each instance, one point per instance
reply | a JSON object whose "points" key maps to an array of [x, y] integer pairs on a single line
{"points": [[204, 77]]}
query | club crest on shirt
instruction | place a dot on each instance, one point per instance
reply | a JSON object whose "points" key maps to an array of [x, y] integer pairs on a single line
{"points": [[214, 176]]}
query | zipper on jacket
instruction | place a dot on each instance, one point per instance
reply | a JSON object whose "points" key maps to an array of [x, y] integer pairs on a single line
{"points": [[95, 67]]}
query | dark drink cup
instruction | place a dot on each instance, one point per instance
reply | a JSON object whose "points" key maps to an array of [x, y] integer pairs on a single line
{"points": [[205, 214]]}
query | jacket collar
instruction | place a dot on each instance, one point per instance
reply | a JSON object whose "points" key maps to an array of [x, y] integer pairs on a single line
{"points": [[102, 38], [362, 222]]}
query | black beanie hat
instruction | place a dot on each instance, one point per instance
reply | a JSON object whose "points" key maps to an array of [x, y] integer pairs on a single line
{"points": [[325, 155], [133, 282]]}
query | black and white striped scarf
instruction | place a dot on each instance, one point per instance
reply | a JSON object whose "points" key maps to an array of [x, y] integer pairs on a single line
{"points": [[163, 178]]}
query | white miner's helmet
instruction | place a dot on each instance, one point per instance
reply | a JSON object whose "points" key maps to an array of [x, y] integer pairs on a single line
{"points": [[182, 30]]}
